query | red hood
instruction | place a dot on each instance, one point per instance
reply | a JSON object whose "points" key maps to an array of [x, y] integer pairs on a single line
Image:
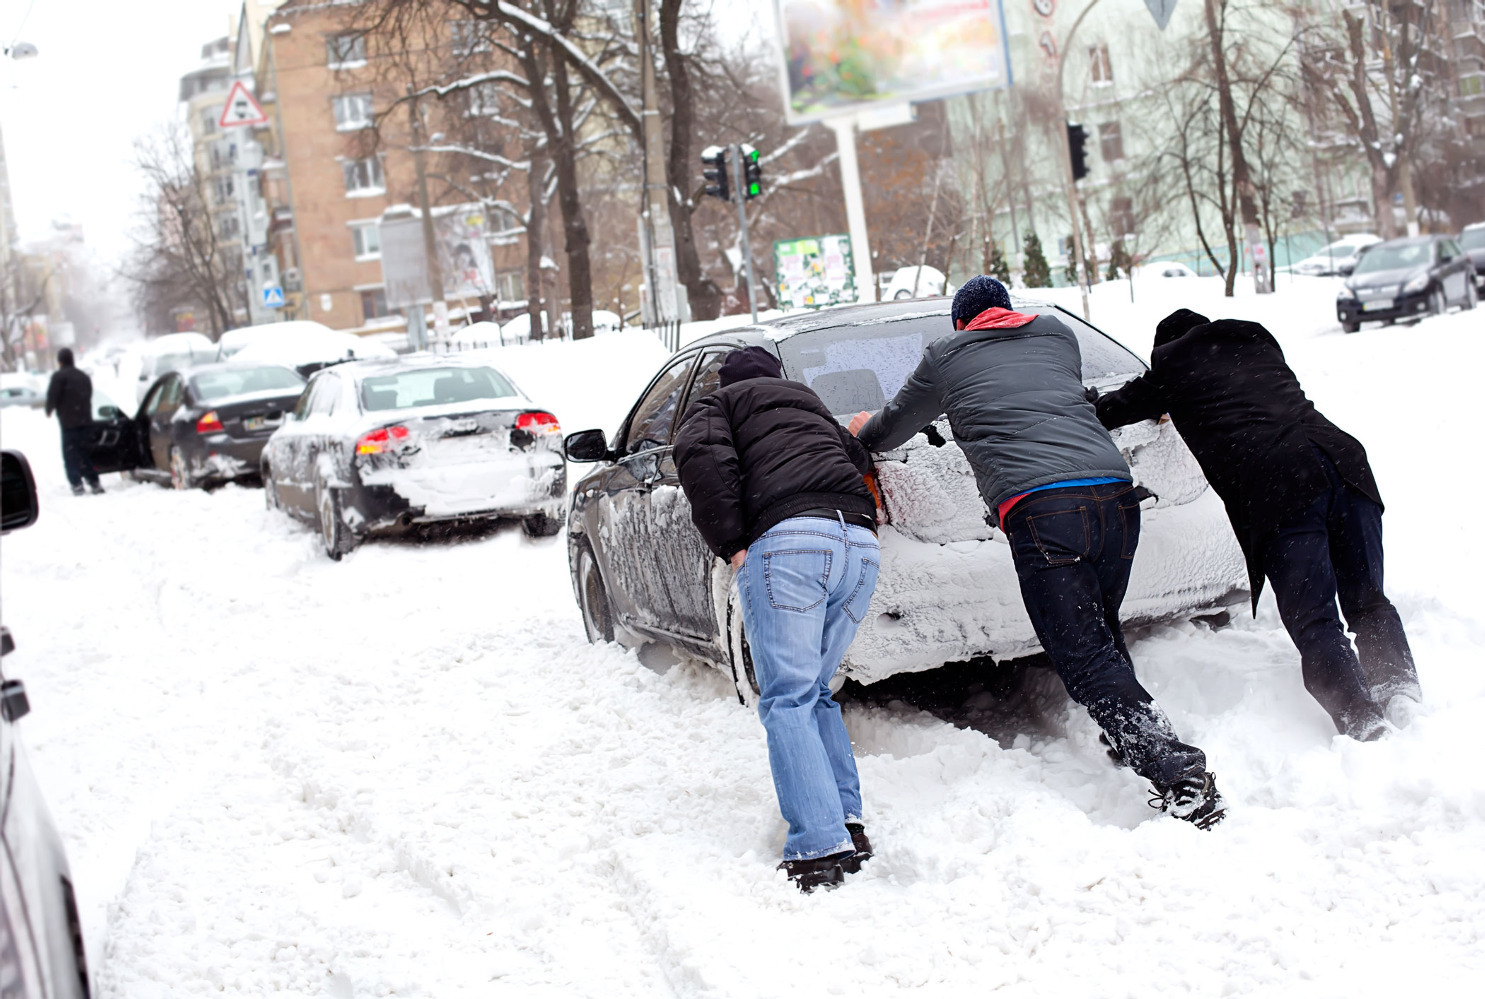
{"points": [[999, 319]]}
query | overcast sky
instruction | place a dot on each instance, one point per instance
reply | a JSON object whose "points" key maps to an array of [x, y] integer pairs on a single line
{"points": [[107, 72]]}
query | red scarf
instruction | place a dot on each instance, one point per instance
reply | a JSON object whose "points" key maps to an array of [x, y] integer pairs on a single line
{"points": [[996, 318]]}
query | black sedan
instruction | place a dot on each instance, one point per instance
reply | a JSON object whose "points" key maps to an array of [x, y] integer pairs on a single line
{"points": [[1405, 278], [1472, 242], [375, 447]]}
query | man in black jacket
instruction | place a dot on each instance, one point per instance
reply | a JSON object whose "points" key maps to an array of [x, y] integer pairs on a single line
{"points": [[1301, 497], [776, 487], [1012, 386], [70, 396]]}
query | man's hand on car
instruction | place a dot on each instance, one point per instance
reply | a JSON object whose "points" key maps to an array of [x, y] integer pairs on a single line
{"points": [[857, 422]]}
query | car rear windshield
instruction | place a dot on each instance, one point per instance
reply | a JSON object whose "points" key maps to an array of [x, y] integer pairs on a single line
{"points": [[211, 386], [862, 366], [1391, 258], [1473, 239], [432, 387]]}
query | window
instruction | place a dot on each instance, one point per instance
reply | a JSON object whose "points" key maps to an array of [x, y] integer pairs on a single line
{"points": [[1101, 73], [224, 190], [374, 304], [1110, 141], [1121, 216], [654, 417], [708, 377], [483, 100], [352, 111], [510, 286], [209, 118], [244, 381], [1471, 85], [323, 392], [228, 227], [366, 237], [364, 176], [345, 50], [469, 38], [432, 387]]}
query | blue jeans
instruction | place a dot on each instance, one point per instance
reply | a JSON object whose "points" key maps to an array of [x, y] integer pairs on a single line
{"points": [[805, 587], [1073, 550]]}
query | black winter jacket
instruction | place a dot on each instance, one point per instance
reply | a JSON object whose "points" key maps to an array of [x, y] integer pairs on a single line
{"points": [[70, 396], [760, 451], [1016, 401], [1241, 411]]}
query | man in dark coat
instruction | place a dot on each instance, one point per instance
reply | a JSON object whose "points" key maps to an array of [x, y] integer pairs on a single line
{"points": [[70, 396], [1301, 497], [1012, 387], [776, 487]]}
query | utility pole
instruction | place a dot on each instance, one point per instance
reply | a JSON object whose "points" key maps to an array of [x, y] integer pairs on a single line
{"points": [[430, 243], [738, 186], [660, 269], [850, 179]]}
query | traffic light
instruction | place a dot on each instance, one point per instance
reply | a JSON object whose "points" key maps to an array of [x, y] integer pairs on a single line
{"points": [[1077, 141], [752, 172], [714, 171]]}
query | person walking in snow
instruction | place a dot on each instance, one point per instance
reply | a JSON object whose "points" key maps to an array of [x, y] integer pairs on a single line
{"points": [[1302, 501], [70, 396], [776, 487], [1054, 482]]}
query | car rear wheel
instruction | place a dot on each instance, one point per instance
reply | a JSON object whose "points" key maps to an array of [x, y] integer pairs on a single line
{"points": [[180, 475], [540, 525], [598, 622], [740, 656], [334, 536]]}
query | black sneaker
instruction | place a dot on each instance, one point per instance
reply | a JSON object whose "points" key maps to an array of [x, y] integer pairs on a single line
{"points": [[1194, 799], [78, 490], [821, 872], [853, 863], [97, 488]]}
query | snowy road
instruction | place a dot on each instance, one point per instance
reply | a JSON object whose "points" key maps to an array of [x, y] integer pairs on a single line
{"points": [[408, 774]]}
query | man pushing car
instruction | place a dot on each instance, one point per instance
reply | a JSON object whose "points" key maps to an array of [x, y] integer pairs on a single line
{"points": [[776, 487], [1054, 482]]}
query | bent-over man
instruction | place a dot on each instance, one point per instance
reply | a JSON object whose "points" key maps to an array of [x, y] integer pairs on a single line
{"points": [[1302, 501], [776, 488], [1012, 387]]}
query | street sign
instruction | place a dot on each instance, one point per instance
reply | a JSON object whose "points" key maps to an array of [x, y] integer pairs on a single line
{"points": [[273, 297], [241, 109], [1161, 10]]}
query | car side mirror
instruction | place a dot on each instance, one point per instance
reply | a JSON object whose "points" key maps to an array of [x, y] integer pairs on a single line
{"points": [[586, 445], [110, 412], [19, 506]]}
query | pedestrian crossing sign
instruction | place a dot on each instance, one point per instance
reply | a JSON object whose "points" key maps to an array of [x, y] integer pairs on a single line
{"points": [[273, 297]]}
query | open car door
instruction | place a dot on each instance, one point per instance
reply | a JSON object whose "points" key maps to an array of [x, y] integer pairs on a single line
{"points": [[113, 436]]}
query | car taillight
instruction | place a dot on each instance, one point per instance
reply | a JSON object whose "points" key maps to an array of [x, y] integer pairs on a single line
{"points": [[209, 424], [538, 422], [381, 440]]}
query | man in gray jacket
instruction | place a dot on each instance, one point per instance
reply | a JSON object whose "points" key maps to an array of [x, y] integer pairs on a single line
{"points": [[1054, 482]]}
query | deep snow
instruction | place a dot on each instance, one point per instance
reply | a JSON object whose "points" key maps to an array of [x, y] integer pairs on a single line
{"points": [[408, 774]]}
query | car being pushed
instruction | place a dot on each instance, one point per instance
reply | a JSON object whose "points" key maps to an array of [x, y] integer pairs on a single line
{"points": [[1404, 279], [948, 590], [379, 447]]}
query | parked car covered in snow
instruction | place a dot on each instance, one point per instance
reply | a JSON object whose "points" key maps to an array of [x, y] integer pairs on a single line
{"points": [[381, 446], [22, 389], [916, 282], [1403, 278], [41, 944], [1472, 242], [303, 345], [948, 590], [172, 352], [1337, 258]]}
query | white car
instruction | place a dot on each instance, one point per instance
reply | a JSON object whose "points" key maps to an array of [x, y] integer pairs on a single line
{"points": [[172, 352], [1338, 258], [1167, 269], [376, 447], [305, 346], [916, 282]]}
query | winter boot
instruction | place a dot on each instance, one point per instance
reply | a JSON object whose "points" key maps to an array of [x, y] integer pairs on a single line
{"points": [[1193, 798], [853, 863], [821, 872], [77, 490], [96, 487], [1108, 747]]}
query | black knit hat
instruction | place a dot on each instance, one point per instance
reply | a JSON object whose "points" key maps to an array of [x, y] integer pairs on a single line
{"points": [[1177, 324], [749, 362], [64, 357], [979, 293]]}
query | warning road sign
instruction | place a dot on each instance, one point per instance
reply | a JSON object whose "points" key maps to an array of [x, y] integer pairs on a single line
{"points": [[241, 109]]}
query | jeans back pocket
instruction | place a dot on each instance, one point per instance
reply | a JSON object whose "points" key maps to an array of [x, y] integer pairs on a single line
{"points": [[866, 585], [796, 579], [1129, 525], [1060, 535]]}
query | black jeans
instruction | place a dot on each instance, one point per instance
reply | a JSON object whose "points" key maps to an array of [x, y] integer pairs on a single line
{"points": [[77, 457], [1073, 550], [1334, 551]]}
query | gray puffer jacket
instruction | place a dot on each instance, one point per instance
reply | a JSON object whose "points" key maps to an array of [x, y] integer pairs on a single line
{"points": [[1014, 397]]}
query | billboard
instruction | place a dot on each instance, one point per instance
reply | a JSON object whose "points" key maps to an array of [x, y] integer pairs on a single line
{"points": [[814, 272], [844, 55], [463, 256]]}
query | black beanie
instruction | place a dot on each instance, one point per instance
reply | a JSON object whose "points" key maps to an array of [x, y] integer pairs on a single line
{"points": [[979, 293], [1177, 324], [749, 362], [64, 357]]}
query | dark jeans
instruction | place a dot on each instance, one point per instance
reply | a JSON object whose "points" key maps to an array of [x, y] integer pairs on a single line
{"points": [[77, 457], [1334, 551], [1073, 550]]}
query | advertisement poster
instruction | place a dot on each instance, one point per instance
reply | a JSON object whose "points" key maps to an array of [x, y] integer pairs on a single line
{"points": [[463, 257], [843, 55], [815, 272]]}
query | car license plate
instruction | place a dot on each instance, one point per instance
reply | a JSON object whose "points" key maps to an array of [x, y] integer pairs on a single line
{"points": [[1376, 304], [254, 422]]}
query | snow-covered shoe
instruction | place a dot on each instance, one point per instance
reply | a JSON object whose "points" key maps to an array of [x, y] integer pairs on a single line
{"points": [[97, 488], [1194, 799], [821, 872], [853, 863], [77, 490], [1108, 747]]}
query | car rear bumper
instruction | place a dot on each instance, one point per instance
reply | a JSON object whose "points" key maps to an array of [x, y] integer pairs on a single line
{"points": [[520, 485], [948, 603], [223, 458]]}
